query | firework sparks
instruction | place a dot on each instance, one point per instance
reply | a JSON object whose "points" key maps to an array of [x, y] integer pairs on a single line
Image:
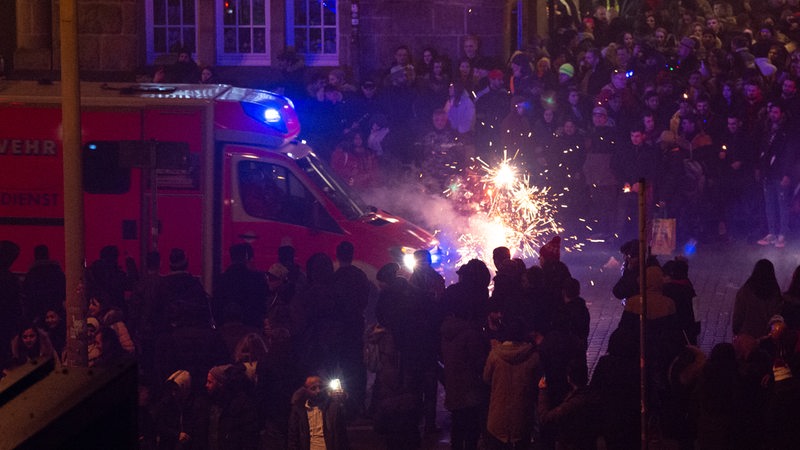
{"points": [[504, 209]]}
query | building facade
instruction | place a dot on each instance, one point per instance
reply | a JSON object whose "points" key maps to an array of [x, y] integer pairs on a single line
{"points": [[121, 39]]}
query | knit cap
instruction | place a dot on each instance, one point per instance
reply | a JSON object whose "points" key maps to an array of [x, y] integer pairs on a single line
{"points": [[551, 251], [567, 69]]}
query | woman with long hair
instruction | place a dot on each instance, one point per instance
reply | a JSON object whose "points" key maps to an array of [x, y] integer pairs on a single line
{"points": [[756, 301], [30, 344]]}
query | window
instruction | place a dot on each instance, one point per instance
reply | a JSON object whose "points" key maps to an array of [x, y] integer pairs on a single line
{"points": [[172, 25], [243, 32], [103, 172], [271, 192], [312, 28]]}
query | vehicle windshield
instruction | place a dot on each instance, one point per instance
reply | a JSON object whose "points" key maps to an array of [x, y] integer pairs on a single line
{"points": [[347, 200]]}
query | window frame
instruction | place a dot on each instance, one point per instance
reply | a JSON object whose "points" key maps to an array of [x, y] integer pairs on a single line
{"points": [[314, 59], [152, 55], [243, 59], [312, 215]]}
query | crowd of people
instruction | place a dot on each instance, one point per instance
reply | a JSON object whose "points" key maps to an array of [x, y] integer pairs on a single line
{"points": [[280, 359], [699, 98]]}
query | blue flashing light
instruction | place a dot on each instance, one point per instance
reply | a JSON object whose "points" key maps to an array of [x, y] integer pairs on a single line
{"points": [[266, 112], [272, 115], [92, 146], [690, 247]]}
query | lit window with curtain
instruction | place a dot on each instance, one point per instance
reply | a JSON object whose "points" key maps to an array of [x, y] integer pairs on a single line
{"points": [[171, 26], [243, 32], [313, 30]]}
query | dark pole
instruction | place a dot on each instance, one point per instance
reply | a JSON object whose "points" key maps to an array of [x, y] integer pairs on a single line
{"points": [[77, 352], [643, 316]]}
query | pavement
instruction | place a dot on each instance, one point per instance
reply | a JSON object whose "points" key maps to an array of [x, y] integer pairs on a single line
{"points": [[716, 270]]}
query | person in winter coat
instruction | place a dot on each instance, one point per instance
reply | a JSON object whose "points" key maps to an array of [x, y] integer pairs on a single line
{"points": [[573, 420], [398, 390], [574, 313], [464, 351], [173, 414], [242, 285], [30, 344], [45, 286], [615, 384], [317, 419], [56, 328], [756, 301], [10, 304], [106, 275], [680, 290], [180, 298], [111, 317], [512, 370], [230, 420]]}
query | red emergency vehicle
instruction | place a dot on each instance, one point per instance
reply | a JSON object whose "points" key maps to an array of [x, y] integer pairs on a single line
{"points": [[198, 167]]}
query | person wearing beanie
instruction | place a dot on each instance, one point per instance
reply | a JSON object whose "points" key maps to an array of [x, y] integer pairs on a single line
{"points": [[232, 416], [550, 251], [180, 298], [566, 83], [566, 70]]}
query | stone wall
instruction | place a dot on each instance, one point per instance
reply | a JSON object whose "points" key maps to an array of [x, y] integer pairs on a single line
{"points": [[108, 35], [441, 24]]}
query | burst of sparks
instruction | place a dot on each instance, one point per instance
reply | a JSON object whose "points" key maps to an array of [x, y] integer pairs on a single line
{"points": [[506, 210]]}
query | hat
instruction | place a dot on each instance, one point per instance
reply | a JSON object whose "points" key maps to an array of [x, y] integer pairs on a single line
{"points": [[567, 69], [688, 42], [496, 74], [600, 110], [182, 378], [279, 271], [177, 259], [765, 67], [551, 251], [777, 318], [93, 322]]}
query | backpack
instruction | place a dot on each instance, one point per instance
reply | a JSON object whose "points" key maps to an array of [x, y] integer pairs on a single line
{"points": [[379, 348], [695, 177]]}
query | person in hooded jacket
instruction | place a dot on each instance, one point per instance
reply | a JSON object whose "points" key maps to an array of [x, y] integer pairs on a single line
{"points": [[756, 301], [512, 371], [464, 351], [173, 413], [681, 291]]}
